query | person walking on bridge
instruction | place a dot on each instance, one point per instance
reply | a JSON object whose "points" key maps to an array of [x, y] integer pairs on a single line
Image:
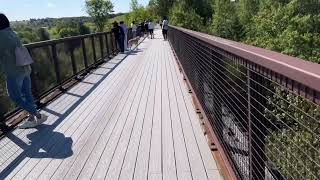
{"points": [[165, 27], [151, 28], [17, 74]]}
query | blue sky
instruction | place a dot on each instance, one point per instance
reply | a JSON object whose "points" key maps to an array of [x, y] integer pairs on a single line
{"points": [[26, 9]]}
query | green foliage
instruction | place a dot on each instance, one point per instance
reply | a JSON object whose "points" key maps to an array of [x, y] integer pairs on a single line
{"points": [[83, 29], [43, 34], [247, 10], [139, 13], [226, 23], [99, 11], [185, 17], [293, 144], [288, 27]]}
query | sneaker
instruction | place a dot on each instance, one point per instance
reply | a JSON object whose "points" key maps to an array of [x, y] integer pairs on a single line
{"points": [[32, 124], [31, 118], [28, 124], [42, 119]]}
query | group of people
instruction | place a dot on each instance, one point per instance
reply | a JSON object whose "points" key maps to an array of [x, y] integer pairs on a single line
{"points": [[121, 35]]}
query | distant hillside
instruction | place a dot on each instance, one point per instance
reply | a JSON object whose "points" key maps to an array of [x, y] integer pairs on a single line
{"points": [[51, 22]]}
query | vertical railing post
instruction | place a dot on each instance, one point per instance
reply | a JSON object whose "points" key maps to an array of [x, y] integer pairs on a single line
{"points": [[112, 43], [257, 124], [35, 87], [84, 51], [93, 49], [73, 61], [107, 45], [56, 63], [101, 46]]}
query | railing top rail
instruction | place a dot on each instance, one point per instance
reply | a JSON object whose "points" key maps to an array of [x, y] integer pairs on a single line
{"points": [[60, 40], [305, 72]]}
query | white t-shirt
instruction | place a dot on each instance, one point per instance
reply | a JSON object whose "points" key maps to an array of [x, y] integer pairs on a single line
{"points": [[150, 25], [165, 24], [134, 27]]}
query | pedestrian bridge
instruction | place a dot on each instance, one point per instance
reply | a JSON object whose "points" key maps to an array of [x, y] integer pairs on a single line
{"points": [[195, 107], [131, 118]]}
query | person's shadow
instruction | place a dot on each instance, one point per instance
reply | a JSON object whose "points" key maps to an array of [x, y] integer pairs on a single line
{"points": [[51, 151], [57, 147]]}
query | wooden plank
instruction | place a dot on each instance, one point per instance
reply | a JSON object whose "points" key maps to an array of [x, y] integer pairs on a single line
{"points": [[61, 164], [78, 109], [95, 150], [204, 149], [197, 167], [89, 167], [128, 166], [118, 157], [169, 162], [142, 162], [113, 137], [9, 149], [7, 166], [182, 159], [155, 161]]}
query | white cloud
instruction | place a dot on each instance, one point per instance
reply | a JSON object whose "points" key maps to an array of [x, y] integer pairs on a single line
{"points": [[51, 5]]}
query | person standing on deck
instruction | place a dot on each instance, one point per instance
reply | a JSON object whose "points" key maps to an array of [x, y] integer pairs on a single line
{"points": [[151, 28], [165, 27], [146, 27], [125, 30], [118, 35], [134, 29], [17, 77]]}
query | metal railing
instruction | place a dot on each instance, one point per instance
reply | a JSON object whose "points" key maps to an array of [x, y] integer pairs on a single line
{"points": [[262, 106], [57, 62]]}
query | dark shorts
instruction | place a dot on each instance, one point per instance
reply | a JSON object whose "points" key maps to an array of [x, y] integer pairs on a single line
{"points": [[164, 31], [151, 31]]}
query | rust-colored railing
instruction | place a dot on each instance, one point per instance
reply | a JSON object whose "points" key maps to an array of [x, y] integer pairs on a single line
{"points": [[262, 107]]}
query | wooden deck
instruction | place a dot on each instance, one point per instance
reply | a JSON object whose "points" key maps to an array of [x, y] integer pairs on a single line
{"points": [[130, 119]]}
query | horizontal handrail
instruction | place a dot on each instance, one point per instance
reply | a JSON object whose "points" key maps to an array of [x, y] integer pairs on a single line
{"points": [[295, 68], [60, 40]]}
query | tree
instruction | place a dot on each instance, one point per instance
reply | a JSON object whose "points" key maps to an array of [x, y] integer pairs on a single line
{"points": [[226, 23], [289, 27], [134, 5], [248, 9], [43, 34], [164, 7], [99, 11], [185, 17], [83, 29]]}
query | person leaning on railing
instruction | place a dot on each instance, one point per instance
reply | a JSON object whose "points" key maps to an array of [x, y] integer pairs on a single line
{"points": [[118, 35], [17, 77]]}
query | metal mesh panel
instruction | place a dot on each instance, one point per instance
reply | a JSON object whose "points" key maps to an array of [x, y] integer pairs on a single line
{"points": [[267, 123]]}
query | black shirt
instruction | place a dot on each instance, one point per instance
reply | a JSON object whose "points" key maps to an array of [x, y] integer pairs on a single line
{"points": [[118, 32]]}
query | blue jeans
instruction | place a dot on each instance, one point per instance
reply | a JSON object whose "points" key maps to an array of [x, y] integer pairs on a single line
{"points": [[19, 90], [121, 43]]}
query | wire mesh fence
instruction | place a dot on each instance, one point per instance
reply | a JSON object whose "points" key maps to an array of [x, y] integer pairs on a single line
{"points": [[266, 116]]}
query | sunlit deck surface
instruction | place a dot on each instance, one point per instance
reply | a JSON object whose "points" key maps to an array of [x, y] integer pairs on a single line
{"points": [[132, 118]]}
